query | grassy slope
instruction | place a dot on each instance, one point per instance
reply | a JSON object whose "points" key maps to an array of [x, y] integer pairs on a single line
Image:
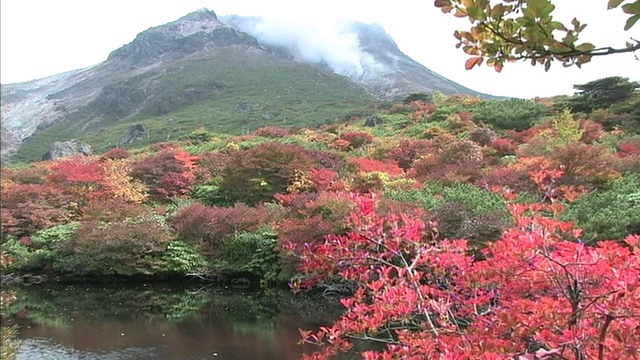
{"points": [[286, 93]]}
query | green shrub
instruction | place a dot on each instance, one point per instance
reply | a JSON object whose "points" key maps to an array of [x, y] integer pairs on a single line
{"points": [[444, 112], [426, 97], [463, 211], [252, 252], [42, 250], [515, 114], [182, 258], [210, 195], [611, 213]]}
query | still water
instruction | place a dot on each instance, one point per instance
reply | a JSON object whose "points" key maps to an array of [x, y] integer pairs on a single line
{"points": [[153, 321]]}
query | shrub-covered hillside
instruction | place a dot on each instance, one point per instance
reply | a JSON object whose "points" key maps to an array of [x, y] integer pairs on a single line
{"points": [[182, 204], [448, 200]]}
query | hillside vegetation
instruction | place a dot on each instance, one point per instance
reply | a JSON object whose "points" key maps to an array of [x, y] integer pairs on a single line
{"points": [[232, 93], [440, 218]]}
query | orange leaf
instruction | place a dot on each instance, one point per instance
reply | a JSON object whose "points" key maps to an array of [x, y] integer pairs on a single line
{"points": [[471, 62]]}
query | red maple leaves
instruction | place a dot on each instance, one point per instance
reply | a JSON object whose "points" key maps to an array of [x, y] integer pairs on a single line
{"points": [[537, 293]]}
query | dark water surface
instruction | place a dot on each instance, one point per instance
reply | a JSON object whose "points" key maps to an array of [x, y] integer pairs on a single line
{"points": [[152, 321]]}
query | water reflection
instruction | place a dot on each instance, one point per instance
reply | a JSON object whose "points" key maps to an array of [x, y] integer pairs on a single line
{"points": [[164, 322]]}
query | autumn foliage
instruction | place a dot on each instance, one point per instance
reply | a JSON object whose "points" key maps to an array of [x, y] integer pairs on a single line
{"points": [[444, 226], [534, 294]]}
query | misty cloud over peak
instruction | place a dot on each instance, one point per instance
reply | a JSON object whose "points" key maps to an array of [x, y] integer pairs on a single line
{"points": [[335, 44]]}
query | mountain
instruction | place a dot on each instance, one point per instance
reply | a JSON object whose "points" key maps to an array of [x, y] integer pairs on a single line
{"points": [[227, 75]]}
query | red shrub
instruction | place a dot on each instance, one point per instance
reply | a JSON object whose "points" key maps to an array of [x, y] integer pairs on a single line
{"points": [[295, 202], [357, 139], [29, 208], [466, 116], [525, 136], [421, 109], [152, 168], [506, 177], [111, 210], [311, 217], [628, 149], [586, 164], [173, 185], [369, 165], [340, 144], [504, 146], [272, 132], [409, 150], [212, 165], [592, 131], [208, 226], [116, 154], [78, 170], [534, 294], [307, 230], [169, 173], [326, 180]]}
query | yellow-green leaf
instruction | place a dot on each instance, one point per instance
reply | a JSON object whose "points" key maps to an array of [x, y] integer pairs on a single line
{"points": [[614, 4], [632, 9], [476, 12], [631, 21], [498, 11], [557, 25]]}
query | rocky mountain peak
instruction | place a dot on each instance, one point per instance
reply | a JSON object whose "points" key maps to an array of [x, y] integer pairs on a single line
{"points": [[202, 20], [191, 33]]}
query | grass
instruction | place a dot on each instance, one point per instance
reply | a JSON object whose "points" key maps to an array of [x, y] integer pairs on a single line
{"points": [[204, 92]]}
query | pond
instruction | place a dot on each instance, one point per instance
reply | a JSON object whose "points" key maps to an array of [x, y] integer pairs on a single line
{"points": [[157, 321]]}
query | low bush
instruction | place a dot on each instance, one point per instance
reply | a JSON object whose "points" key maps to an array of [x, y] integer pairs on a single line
{"points": [[461, 210], [42, 251], [129, 247], [182, 259], [207, 227], [515, 114], [610, 213], [253, 253]]}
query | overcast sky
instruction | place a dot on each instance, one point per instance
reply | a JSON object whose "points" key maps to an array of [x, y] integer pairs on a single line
{"points": [[46, 37]]}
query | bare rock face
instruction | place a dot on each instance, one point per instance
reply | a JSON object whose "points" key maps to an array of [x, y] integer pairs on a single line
{"points": [[65, 149], [192, 33], [135, 133]]}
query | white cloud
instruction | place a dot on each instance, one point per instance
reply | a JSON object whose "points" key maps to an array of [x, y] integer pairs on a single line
{"points": [[333, 44]]}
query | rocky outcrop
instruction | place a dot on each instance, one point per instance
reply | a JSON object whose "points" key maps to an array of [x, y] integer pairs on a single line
{"points": [[244, 107], [135, 133], [65, 149]]}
